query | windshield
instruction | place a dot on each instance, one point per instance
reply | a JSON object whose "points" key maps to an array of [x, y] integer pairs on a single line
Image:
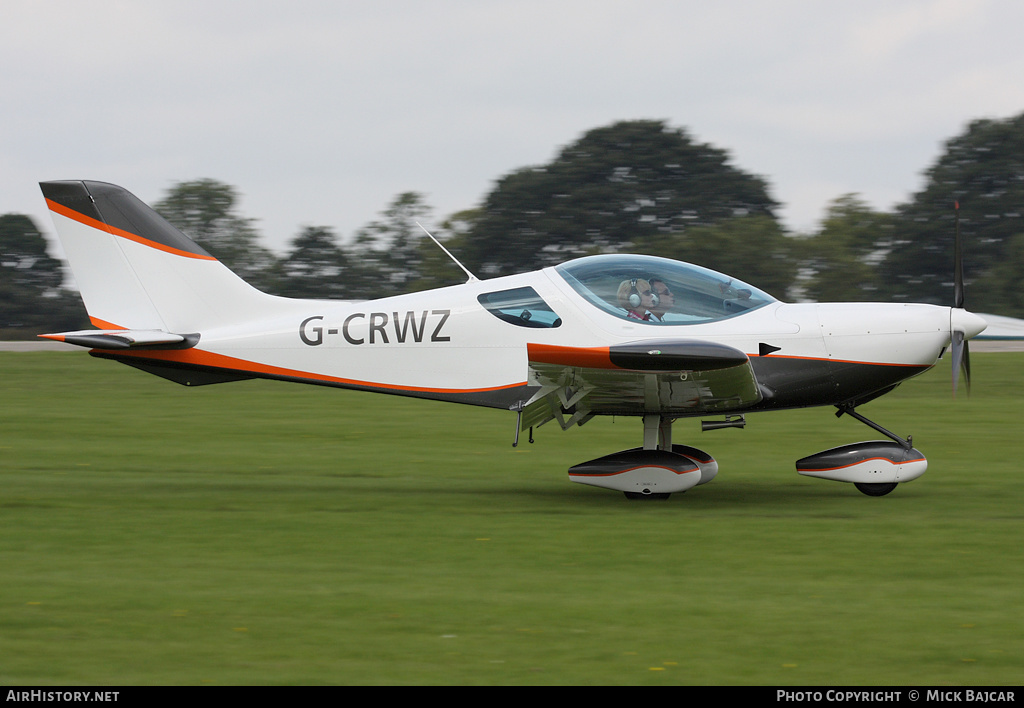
{"points": [[660, 291]]}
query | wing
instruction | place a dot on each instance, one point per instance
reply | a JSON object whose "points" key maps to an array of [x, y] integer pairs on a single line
{"points": [[670, 377]]}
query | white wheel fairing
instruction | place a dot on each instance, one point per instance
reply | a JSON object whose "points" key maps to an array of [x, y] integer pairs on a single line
{"points": [[639, 470], [706, 463], [876, 462]]}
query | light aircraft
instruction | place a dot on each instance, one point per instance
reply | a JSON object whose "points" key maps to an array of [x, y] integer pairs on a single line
{"points": [[586, 338]]}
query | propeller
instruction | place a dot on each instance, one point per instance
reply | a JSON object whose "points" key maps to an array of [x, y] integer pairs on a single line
{"points": [[961, 361], [958, 262], [962, 324]]}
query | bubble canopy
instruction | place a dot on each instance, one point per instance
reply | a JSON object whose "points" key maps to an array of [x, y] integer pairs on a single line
{"points": [[695, 295]]}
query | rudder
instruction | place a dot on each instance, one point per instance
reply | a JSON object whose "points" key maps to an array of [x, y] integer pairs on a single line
{"points": [[137, 271]]}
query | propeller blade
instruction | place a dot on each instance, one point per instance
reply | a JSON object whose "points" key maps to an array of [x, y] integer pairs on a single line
{"points": [[958, 337], [961, 361], [958, 355], [967, 367], [958, 264]]}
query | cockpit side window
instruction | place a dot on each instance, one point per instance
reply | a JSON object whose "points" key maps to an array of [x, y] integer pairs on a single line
{"points": [[522, 307], [659, 291]]}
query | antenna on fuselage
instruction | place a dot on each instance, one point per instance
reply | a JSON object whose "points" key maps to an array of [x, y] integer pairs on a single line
{"points": [[448, 253]]}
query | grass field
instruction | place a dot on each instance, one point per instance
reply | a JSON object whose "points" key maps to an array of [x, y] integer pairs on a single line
{"points": [[267, 533]]}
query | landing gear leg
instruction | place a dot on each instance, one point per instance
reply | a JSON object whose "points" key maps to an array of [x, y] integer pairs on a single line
{"points": [[657, 436], [848, 409]]}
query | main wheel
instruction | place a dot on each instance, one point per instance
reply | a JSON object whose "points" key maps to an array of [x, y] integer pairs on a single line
{"points": [[875, 489], [651, 495]]}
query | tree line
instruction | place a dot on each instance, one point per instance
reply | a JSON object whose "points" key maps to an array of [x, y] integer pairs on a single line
{"points": [[635, 186]]}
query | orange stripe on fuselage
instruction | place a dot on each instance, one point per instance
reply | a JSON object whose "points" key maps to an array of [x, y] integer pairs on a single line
{"points": [[588, 357], [832, 361], [114, 231], [198, 357]]}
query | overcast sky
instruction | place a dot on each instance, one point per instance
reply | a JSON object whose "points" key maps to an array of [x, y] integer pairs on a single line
{"points": [[320, 112]]}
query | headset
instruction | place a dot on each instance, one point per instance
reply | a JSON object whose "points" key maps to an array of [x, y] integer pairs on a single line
{"points": [[634, 295]]}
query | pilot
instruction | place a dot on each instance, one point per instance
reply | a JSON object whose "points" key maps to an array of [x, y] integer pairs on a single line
{"points": [[664, 299], [636, 298]]}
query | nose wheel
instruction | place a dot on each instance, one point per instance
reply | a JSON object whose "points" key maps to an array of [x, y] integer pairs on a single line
{"points": [[874, 489]]}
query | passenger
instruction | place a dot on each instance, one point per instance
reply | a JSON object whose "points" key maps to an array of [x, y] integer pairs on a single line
{"points": [[636, 298], [664, 300]]}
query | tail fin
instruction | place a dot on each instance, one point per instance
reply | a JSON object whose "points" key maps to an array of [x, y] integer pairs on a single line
{"points": [[136, 271]]}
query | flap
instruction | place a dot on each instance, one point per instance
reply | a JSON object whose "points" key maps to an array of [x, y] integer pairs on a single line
{"points": [[668, 377]]}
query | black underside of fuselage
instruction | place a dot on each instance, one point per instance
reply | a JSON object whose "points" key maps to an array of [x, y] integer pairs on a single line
{"points": [[800, 383]]}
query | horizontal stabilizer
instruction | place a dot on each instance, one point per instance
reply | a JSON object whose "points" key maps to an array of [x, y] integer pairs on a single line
{"points": [[125, 339]]}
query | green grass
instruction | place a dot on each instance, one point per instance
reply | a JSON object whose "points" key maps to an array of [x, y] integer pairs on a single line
{"points": [[266, 533]]}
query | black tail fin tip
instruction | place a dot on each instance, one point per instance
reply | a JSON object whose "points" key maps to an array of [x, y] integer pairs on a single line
{"points": [[119, 209]]}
